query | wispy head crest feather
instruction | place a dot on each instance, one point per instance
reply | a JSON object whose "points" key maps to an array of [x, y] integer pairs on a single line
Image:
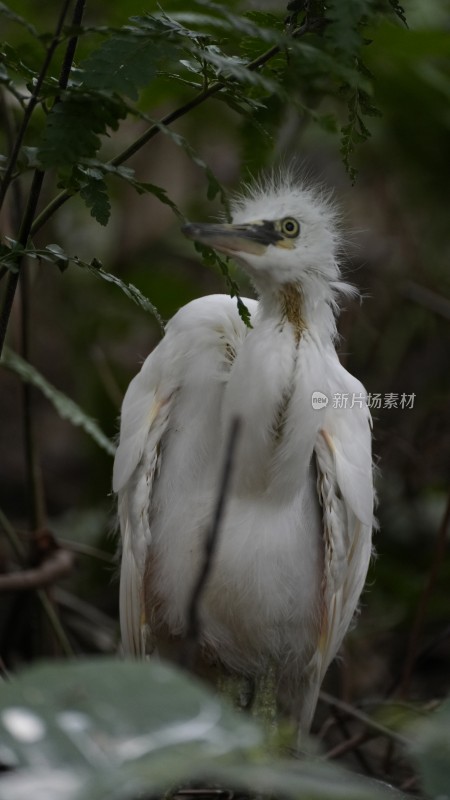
{"points": [[314, 262]]}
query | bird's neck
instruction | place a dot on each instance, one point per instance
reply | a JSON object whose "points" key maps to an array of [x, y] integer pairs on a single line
{"points": [[288, 304], [292, 307]]}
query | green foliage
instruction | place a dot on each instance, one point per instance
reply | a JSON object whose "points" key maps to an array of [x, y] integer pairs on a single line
{"points": [[124, 63], [63, 405], [356, 132], [94, 192], [346, 19], [212, 258], [103, 728], [398, 10], [74, 127], [432, 750], [246, 76]]}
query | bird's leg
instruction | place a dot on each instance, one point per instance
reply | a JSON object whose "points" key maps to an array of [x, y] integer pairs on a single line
{"points": [[247, 693]]}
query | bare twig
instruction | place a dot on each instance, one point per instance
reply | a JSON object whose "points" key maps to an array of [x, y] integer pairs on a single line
{"points": [[349, 745], [367, 721], [47, 605], [358, 754], [413, 646], [209, 549], [51, 570], [426, 298]]}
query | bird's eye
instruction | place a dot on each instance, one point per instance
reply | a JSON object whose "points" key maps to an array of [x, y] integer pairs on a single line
{"points": [[290, 227]]}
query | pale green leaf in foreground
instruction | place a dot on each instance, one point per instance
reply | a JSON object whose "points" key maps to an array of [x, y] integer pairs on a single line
{"points": [[431, 749], [104, 729], [66, 408]]}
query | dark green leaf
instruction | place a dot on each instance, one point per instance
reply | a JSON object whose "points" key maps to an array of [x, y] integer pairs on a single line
{"points": [[431, 749], [234, 67], [95, 268], [54, 254], [123, 64], [344, 29], [250, 25], [212, 258], [11, 59], [398, 10], [95, 195], [9, 257], [74, 126], [214, 186], [14, 17], [66, 408]]}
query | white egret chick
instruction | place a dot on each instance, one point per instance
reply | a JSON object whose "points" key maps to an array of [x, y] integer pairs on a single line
{"points": [[295, 540]]}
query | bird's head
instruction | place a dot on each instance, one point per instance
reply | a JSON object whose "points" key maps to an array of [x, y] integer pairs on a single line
{"points": [[282, 234]]}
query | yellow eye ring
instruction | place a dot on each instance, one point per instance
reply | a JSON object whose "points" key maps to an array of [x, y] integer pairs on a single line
{"points": [[290, 227]]}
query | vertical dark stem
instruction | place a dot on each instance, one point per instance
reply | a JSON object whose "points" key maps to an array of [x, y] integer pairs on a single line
{"points": [[32, 103], [209, 549], [13, 278], [69, 55], [38, 178], [34, 473]]}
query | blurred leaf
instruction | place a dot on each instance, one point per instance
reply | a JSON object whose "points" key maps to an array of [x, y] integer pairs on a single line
{"points": [[432, 750], [65, 407], [265, 27], [7, 12], [103, 728], [307, 780], [108, 728], [344, 28]]}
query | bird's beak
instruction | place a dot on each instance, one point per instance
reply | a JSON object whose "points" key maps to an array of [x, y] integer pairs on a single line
{"points": [[252, 238]]}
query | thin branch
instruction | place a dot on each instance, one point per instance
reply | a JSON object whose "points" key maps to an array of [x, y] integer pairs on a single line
{"points": [[209, 549], [69, 54], [33, 102], [36, 491], [47, 605], [358, 754], [153, 130], [349, 745], [13, 539], [25, 230], [51, 570], [432, 301], [367, 721]]}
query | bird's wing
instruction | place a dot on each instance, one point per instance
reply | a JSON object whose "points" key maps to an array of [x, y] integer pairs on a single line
{"points": [[345, 489], [146, 415]]}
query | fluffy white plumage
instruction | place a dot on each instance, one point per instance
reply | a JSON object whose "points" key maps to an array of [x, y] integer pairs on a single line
{"points": [[295, 542]]}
